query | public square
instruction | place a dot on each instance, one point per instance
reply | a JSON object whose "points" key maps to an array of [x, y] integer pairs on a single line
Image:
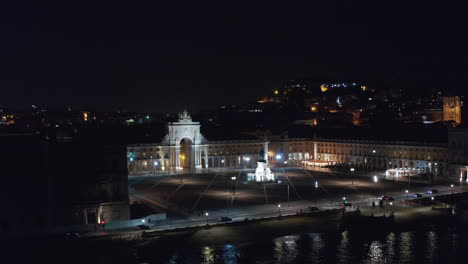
{"points": [[227, 192]]}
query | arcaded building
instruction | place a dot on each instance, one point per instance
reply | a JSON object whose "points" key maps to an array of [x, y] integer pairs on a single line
{"points": [[184, 147]]}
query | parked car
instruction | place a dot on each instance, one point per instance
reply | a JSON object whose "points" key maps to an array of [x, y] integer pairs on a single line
{"points": [[386, 198], [143, 227], [433, 191], [346, 204], [313, 208], [225, 219], [417, 195]]}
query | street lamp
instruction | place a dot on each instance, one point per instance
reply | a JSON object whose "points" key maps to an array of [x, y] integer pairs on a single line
{"points": [[206, 217], [451, 186], [344, 198], [352, 179], [376, 179], [279, 209]]}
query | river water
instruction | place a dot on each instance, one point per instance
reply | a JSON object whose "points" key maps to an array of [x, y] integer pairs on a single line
{"points": [[428, 245]]}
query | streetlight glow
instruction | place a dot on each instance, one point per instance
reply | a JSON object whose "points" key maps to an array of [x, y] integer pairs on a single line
{"points": [[376, 179]]}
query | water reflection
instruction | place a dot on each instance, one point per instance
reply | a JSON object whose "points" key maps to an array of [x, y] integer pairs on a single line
{"points": [[431, 248], [406, 249], [428, 246], [286, 249], [316, 248]]}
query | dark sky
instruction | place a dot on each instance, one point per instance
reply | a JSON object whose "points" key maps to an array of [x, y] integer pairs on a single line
{"points": [[147, 56]]}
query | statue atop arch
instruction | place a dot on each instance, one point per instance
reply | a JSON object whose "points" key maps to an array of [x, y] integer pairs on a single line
{"points": [[184, 117]]}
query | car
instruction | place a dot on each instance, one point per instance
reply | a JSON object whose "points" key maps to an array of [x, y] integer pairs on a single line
{"points": [[143, 227], [432, 191], [346, 204], [225, 219], [386, 198], [417, 195], [313, 208], [72, 236]]}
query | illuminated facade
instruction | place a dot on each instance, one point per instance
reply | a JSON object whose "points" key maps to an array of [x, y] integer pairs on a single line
{"points": [[184, 147], [424, 157], [452, 109]]}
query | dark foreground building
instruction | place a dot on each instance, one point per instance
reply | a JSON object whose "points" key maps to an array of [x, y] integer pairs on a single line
{"points": [[51, 179]]}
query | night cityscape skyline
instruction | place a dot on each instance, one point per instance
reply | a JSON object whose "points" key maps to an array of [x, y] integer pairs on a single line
{"points": [[146, 132]]}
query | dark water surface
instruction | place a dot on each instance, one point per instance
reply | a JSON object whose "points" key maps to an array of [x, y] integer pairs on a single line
{"points": [[430, 244]]}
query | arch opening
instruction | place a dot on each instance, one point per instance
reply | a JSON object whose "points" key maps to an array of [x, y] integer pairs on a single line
{"points": [[186, 153]]}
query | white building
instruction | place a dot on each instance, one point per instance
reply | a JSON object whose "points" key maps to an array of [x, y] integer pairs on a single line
{"points": [[184, 147]]}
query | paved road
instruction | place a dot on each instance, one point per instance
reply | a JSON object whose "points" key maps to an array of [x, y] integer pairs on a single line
{"points": [[272, 210]]}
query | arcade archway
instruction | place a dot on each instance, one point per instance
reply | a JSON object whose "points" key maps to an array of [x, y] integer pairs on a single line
{"points": [[186, 159]]}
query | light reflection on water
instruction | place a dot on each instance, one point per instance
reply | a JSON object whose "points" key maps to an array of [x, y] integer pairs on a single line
{"points": [[429, 246]]}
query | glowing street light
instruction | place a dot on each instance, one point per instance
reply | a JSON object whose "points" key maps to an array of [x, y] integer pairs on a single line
{"points": [[316, 184], [344, 198], [451, 186], [376, 179], [278, 156], [206, 217], [279, 209]]}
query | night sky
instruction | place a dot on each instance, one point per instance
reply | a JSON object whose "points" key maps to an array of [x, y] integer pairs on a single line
{"points": [[145, 56]]}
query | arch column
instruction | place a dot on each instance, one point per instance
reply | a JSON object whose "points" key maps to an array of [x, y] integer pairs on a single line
{"points": [[197, 156], [206, 157]]}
